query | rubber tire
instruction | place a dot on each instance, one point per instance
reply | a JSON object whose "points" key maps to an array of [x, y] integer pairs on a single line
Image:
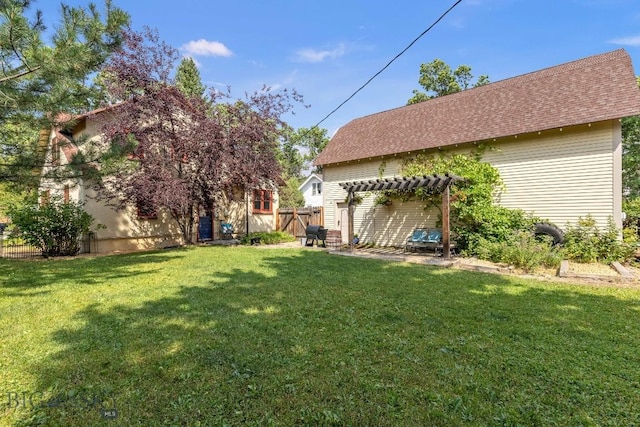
{"points": [[550, 230]]}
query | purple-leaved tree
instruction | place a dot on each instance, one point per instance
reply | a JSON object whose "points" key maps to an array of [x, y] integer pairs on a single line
{"points": [[179, 153]]}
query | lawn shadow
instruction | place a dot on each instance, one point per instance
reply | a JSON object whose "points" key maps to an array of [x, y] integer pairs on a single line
{"points": [[18, 277], [306, 336]]}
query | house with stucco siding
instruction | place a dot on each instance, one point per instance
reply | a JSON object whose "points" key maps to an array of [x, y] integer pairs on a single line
{"points": [[133, 228], [554, 135]]}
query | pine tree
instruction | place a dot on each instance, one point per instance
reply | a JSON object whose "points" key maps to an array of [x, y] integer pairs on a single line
{"points": [[40, 79], [188, 79], [37, 79]]}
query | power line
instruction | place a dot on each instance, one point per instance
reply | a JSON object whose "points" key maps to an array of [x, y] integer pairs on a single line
{"points": [[440, 18], [390, 62]]}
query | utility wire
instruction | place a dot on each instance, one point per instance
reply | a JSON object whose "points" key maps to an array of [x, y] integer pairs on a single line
{"points": [[353, 94], [390, 62]]}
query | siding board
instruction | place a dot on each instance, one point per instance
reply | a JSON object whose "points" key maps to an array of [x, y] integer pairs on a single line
{"points": [[559, 176]]}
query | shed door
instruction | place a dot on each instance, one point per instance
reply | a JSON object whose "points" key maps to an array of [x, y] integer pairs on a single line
{"points": [[342, 220]]}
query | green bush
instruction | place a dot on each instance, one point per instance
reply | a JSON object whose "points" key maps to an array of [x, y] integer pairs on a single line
{"points": [[585, 242], [522, 250], [632, 210], [475, 217], [498, 226], [55, 227], [268, 238]]}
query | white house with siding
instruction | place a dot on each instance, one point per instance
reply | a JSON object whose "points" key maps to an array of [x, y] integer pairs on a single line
{"points": [[311, 189], [554, 135]]}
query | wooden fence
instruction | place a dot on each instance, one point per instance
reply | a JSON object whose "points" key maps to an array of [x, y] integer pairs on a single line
{"points": [[295, 221]]}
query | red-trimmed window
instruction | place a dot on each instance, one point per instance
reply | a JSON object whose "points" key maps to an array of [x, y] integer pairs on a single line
{"points": [[66, 194], [262, 202], [146, 211]]}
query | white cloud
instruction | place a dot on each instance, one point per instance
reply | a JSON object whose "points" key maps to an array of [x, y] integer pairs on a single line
{"points": [[313, 55], [627, 41], [204, 47]]}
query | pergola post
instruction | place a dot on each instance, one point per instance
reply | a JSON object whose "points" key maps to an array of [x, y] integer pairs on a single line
{"points": [[350, 219], [446, 230]]}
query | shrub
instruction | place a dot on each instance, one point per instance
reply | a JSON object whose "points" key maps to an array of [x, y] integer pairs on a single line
{"points": [[55, 227], [631, 209], [498, 226], [475, 217], [585, 242], [522, 250], [268, 238]]}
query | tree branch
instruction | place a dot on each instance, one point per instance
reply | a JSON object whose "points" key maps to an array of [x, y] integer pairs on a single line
{"points": [[22, 74]]}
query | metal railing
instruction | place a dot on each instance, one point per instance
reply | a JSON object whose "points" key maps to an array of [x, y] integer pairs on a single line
{"points": [[13, 245], [16, 247]]}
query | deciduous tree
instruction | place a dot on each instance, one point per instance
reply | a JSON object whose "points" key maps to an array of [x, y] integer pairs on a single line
{"points": [[290, 195], [631, 169], [183, 154], [438, 79], [290, 155], [298, 149], [631, 155], [301, 147]]}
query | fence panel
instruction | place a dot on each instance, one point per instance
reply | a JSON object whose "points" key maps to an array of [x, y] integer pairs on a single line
{"points": [[295, 220], [14, 246]]}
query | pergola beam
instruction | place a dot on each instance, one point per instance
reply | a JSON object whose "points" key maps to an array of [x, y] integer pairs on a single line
{"points": [[435, 183]]}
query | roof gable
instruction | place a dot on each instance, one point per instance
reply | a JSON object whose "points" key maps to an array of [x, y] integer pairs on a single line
{"points": [[597, 88], [313, 177]]}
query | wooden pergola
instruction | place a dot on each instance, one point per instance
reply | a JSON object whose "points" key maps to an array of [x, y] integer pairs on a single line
{"points": [[433, 183]]}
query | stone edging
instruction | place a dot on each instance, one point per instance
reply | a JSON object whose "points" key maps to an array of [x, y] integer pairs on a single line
{"points": [[623, 274]]}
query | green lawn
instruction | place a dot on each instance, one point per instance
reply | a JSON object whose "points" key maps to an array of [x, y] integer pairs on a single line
{"points": [[248, 336]]}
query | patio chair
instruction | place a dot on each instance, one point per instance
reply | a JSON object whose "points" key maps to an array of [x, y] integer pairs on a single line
{"points": [[427, 239], [226, 230]]}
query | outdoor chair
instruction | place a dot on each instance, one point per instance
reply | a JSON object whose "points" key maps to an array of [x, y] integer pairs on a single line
{"points": [[427, 239], [226, 230]]}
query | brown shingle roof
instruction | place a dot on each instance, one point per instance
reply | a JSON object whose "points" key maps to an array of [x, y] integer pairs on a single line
{"points": [[597, 88]]}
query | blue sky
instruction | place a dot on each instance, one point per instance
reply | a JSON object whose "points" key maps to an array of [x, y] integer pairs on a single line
{"points": [[327, 49]]}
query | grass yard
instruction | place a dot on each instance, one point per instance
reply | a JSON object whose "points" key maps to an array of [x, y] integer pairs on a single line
{"points": [[245, 336]]}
